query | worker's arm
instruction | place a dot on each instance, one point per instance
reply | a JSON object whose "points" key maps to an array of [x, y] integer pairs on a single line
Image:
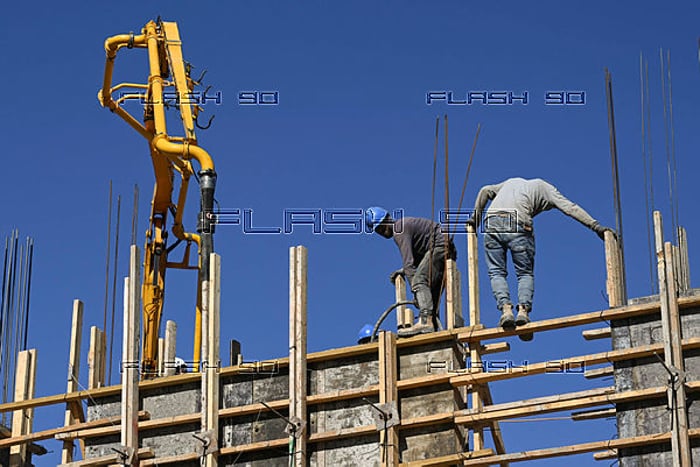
{"points": [[403, 241], [570, 208], [486, 194]]}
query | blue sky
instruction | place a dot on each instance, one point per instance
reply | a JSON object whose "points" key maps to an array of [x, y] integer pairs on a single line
{"points": [[352, 129]]}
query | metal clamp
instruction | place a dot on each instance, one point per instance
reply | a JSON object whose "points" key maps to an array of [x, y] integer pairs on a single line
{"points": [[208, 440], [126, 455], [385, 415]]}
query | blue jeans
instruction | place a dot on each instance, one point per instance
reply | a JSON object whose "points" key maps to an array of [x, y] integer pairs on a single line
{"points": [[502, 235]]}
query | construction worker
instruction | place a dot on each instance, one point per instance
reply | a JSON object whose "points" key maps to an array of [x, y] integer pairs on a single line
{"points": [[422, 246], [508, 226]]}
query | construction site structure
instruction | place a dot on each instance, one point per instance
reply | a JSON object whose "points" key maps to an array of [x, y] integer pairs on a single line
{"points": [[424, 400]]}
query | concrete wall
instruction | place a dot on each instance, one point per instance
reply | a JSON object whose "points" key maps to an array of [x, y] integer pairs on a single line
{"points": [[269, 382], [652, 416]]}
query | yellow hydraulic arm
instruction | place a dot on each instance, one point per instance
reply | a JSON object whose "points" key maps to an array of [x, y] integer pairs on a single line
{"points": [[170, 155]]}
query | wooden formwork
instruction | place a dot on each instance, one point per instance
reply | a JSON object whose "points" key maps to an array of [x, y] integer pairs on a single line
{"points": [[425, 400]]}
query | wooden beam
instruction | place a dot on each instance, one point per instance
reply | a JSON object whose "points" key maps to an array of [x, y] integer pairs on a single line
{"points": [[160, 366], [684, 258], [496, 347], [558, 366], [605, 455], [76, 332], [130, 352], [298, 274], [600, 333], [593, 414], [628, 311], [659, 438], [453, 318], [213, 358], [474, 319], [94, 358], [599, 372], [496, 434], [190, 456], [680, 419], [143, 453], [448, 460], [22, 419], [169, 348], [48, 434], [615, 274], [404, 315], [388, 394]]}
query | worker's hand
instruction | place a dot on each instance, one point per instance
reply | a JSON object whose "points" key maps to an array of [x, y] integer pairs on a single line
{"points": [[601, 229], [395, 274], [471, 222]]}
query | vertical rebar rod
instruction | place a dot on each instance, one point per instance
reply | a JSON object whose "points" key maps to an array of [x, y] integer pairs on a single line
{"points": [[114, 288], [30, 245], [107, 257]]}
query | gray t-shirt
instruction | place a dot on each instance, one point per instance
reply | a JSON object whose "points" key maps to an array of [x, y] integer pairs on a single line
{"points": [[527, 198], [415, 237]]}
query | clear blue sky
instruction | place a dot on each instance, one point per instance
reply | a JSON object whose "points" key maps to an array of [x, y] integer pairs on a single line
{"points": [[352, 129]]}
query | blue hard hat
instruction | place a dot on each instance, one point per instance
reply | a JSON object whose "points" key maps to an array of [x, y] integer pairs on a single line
{"points": [[365, 334], [374, 215]]}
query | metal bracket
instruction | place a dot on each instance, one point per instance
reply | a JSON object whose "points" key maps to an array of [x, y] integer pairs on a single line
{"points": [[295, 427], [676, 377], [208, 440], [385, 415], [126, 455]]}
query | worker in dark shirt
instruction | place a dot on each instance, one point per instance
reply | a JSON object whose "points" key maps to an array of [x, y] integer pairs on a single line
{"points": [[422, 246], [508, 226]]}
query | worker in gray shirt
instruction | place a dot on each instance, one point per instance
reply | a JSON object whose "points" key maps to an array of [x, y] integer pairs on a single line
{"points": [[508, 226], [422, 246]]}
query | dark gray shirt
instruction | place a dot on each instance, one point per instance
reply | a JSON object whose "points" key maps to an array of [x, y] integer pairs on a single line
{"points": [[415, 236], [528, 198]]}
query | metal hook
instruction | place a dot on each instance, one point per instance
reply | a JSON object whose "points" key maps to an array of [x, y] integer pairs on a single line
{"points": [[206, 127], [201, 77]]}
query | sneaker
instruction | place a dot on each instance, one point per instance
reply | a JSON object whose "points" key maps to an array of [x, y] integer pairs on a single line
{"points": [[507, 320], [522, 319]]}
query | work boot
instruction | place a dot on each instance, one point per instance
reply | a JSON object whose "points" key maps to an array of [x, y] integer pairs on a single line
{"points": [[507, 320], [522, 319], [423, 326]]}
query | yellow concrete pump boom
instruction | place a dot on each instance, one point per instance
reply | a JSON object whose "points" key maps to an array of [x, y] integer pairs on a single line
{"points": [[169, 154]]}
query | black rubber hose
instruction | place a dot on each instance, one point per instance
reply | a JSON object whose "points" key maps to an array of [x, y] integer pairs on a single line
{"points": [[385, 314], [205, 227]]}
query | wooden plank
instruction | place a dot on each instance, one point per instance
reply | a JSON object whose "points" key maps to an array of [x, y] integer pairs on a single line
{"points": [[25, 378], [453, 318], [614, 271], [143, 453], [160, 367], [605, 455], [548, 399], [213, 358], [474, 391], [342, 433], [600, 333], [448, 460], [599, 372], [659, 438], [76, 332], [259, 446], [297, 346], [388, 394], [496, 434], [685, 262], [680, 420], [94, 358], [560, 406], [558, 366], [130, 359], [496, 347], [593, 414], [51, 433], [190, 456], [404, 315], [663, 297], [628, 311], [169, 348]]}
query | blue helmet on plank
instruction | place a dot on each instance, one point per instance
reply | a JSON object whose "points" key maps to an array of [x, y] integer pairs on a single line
{"points": [[374, 216], [365, 334]]}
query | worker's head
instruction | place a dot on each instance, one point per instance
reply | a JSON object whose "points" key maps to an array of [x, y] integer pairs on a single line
{"points": [[379, 220], [365, 334]]}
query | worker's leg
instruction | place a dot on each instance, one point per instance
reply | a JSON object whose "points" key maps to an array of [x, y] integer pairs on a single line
{"points": [[522, 249], [497, 267], [427, 273]]}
